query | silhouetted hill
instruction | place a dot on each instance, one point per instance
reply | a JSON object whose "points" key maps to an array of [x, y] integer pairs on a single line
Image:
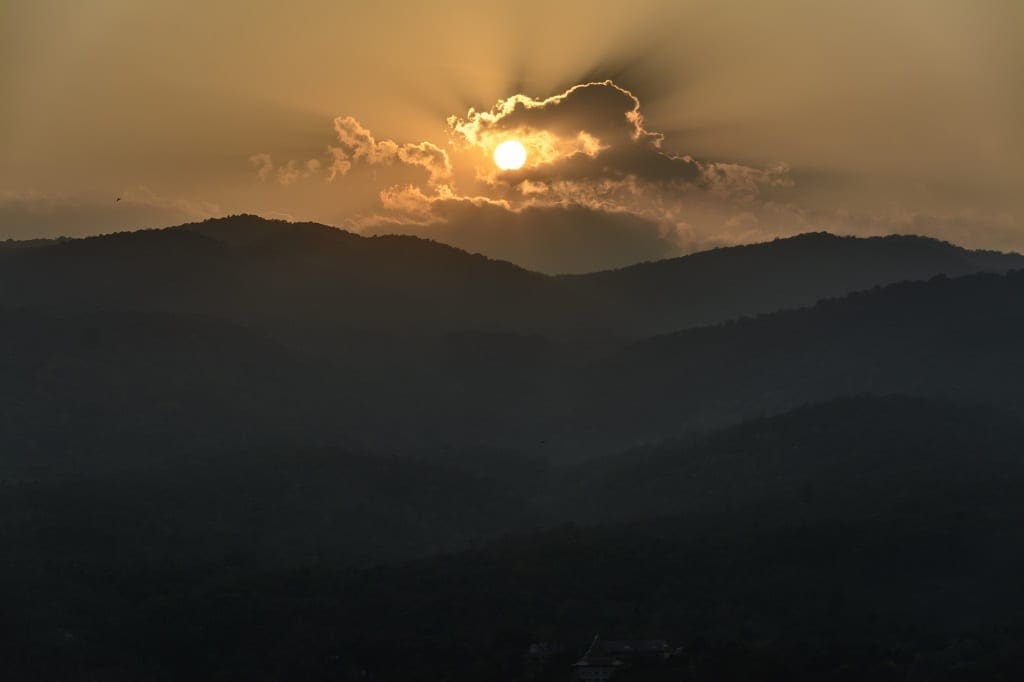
{"points": [[264, 507], [271, 273], [717, 285], [204, 429], [29, 243], [323, 287], [868, 538], [847, 460], [98, 389], [284, 367], [948, 338]]}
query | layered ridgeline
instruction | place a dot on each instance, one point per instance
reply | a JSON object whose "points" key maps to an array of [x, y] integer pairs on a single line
{"points": [[323, 279], [956, 339], [866, 538], [242, 332], [210, 433]]}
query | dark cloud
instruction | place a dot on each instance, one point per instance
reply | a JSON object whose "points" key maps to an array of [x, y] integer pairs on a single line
{"points": [[598, 131], [590, 130], [600, 188]]}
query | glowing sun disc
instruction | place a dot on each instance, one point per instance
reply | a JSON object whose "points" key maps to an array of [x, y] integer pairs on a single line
{"points": [[510, 155]]}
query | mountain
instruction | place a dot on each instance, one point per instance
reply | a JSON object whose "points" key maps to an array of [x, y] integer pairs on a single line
{"points": [[328, 289], [848, 460], [239, 331], [270, 273], [945, 338], [865, 538], [212, 435], [267, 507], [721, 284]]}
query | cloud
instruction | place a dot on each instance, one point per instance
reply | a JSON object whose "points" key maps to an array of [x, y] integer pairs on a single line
{"points": [[340, 163], [357, 144], [743, 183], [264, 164], [590, 130], [286, 174], [591, 146], [606, 109], [600, 187], [412, 200], [292, 171]]}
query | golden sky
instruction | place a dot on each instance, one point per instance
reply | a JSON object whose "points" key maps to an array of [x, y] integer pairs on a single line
{"points": [[652, 128]]}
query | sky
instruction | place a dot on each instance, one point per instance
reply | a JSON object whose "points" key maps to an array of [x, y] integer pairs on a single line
{"points": [[652, 128]]}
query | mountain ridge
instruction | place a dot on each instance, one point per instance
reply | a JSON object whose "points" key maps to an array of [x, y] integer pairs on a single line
{"points": [[289, 276], [229, 228]]}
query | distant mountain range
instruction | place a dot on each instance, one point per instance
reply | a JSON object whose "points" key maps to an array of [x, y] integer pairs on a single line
{"points": [[246, 331], [278, 275], [956, 339], [208, 431]]}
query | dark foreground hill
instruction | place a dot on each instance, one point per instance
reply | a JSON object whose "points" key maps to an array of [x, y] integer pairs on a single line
{"points": [[262, 507], [869, 538], [848, 460]]}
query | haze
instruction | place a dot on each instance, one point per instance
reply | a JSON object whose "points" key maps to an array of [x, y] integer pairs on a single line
{"points": [[856, 118]]}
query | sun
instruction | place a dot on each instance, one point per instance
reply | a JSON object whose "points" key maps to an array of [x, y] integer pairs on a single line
{"points": [[510, 155]]}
